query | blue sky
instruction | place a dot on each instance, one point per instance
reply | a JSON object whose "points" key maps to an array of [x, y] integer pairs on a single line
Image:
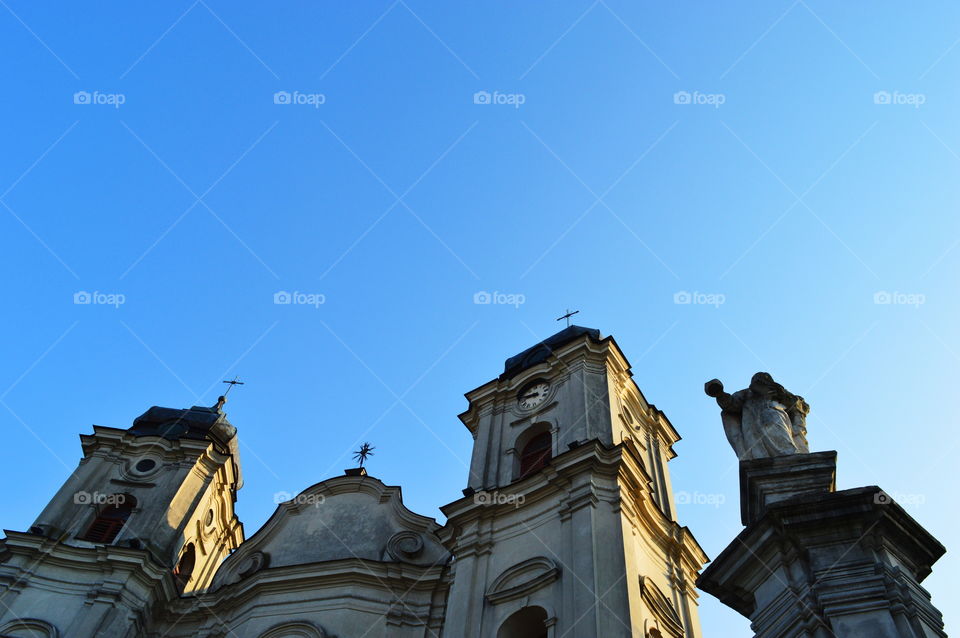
{"points": [[791, 163]]}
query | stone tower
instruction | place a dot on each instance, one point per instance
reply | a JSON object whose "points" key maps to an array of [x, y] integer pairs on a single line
{"points": [[568, 525], [147, 515]]}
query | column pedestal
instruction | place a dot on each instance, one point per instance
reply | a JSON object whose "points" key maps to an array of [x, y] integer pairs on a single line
{"points": [[821, 563]]}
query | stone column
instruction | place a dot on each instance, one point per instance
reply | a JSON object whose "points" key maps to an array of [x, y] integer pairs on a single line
{"points": [[820, 563]]}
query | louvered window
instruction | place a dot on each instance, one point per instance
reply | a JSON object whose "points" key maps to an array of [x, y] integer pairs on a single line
{"points": [[110, 519]]}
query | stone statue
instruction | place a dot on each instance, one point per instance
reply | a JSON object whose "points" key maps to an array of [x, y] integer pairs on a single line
{"points": [[763, 420]]}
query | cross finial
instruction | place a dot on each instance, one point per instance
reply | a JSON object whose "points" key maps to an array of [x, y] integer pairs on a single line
{"points": [[567, 316], [222, 399], [231, 384]]}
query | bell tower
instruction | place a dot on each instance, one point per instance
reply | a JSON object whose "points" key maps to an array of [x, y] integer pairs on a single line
{"points": [[568, 525], [146, 516]]}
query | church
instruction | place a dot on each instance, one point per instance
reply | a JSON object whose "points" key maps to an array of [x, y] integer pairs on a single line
{"points": [[567, 528]]}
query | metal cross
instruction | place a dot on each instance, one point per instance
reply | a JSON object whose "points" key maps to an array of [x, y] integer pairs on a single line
{"points": [[231, 384], [567, 316]]}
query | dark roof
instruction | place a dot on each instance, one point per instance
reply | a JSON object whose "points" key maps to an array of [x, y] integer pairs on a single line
{"points": [[543, 350], [196, 422]]}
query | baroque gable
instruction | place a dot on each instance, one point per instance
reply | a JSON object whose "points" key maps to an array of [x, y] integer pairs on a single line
{"points": [[348, 517]]}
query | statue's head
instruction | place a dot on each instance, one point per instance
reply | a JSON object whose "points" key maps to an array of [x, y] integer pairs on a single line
{"points": [[763, 383]]}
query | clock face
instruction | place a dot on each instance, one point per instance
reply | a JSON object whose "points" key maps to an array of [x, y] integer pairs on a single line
{"points": [[533, 395]]}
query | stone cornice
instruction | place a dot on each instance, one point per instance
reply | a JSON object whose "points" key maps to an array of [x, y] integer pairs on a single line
{"points": [[104, 560], [620, 463], [117, 440], [315, 578], [544, 484]]}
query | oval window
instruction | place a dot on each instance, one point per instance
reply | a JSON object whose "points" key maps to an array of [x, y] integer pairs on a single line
{"points": [[145, 465]]}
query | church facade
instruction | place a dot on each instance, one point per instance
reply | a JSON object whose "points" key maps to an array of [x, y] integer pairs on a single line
{"points": [[567, 528]]}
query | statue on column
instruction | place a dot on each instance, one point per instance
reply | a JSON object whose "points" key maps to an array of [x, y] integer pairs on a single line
{"points": [[763, 420]]}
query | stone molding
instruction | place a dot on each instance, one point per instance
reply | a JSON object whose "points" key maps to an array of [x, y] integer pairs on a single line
{"points": [[522, 579], [770, 480]]}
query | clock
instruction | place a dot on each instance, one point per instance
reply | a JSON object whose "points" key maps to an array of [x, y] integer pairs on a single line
{"points": [[533, 394]]}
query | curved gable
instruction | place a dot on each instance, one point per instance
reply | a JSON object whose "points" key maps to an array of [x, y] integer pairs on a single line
{"points": [[340, 518]]}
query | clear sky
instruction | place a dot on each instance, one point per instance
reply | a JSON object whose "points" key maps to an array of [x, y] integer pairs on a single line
{"points": [[787, 164]]}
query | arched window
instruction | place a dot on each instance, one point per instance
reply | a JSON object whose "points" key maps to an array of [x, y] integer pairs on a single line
{"points": [[184, 569], [29, 627], [535, 454], [110, 519], [295, 629], [529, 622]]}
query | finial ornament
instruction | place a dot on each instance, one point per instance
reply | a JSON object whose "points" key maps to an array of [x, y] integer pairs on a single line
{"points": [[361, 455], [231, 384], [762, 420], [567, 316], [222, 399]]}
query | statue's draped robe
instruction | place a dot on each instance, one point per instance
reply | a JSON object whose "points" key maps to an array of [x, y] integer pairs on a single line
{"points": [[759, 427]]}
